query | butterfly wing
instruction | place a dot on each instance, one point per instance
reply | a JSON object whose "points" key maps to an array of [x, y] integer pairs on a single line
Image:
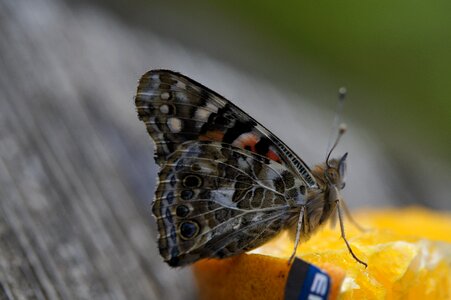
{"points": [[217, 200], [177, 109]]}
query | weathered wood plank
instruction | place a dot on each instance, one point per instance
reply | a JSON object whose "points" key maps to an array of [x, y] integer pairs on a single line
{"points": [[75, 218]]}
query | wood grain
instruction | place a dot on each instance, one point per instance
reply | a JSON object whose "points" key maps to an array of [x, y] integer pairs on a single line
{"points": [[75, 168]]}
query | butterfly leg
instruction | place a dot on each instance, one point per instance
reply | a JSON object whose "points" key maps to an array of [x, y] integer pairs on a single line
{"points": [[342, 228], [349, 216], [298, 234]]}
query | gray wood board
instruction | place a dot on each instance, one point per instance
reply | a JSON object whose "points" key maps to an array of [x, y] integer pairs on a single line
{"points": [[75, 169]]}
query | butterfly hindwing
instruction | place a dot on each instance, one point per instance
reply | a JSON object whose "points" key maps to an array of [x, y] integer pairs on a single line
{"points": [[177, 109], [217, 200]]}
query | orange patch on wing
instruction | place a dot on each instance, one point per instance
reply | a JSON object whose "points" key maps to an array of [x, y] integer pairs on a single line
{"points": [[249, 140], [215, 135], [246, 141], [272, 156]]}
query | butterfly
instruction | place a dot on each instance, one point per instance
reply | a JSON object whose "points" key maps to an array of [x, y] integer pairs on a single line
{"points": [[226, 183]]}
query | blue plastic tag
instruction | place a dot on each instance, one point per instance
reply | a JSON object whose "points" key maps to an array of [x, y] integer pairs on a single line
{"points": [[306, 282]]}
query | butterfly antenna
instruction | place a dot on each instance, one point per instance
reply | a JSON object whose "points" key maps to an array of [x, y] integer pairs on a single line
{"points": [[341, 130], [341, 127]]}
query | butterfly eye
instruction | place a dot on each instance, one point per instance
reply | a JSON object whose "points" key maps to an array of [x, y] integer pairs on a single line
{"points": [[332, 174]]}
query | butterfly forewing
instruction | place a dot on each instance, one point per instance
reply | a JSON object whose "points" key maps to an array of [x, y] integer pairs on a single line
{"points": [[226, 183], [177, 109]]}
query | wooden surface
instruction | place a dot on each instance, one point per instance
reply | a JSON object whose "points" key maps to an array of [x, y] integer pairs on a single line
{"points": [[75, 166]]}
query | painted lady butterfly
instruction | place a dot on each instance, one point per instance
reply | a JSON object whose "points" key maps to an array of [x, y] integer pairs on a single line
{"points": [[227, 184]]}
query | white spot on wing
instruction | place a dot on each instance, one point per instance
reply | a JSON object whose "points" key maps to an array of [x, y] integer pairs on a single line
{"points": [[164, 96], [223, 197], [164, 109], [180, 85], [155, 81], [175, 125], [243, 164], [211, 106], [202, 114], [181, 97]]}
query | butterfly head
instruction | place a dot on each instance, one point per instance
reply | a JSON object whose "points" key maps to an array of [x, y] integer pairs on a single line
{"points": [[335, 172], [336, 168], [332, 174]]}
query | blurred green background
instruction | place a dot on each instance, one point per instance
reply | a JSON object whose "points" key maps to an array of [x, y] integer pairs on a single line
{"points": [[397, 53], [394, 57]]}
